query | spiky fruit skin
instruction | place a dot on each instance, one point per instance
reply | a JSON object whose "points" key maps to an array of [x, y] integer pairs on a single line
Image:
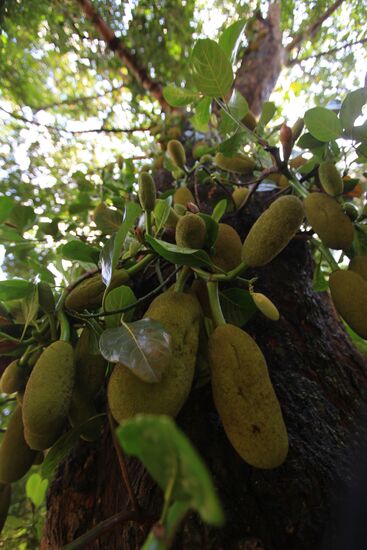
{"points": [[228, 247], [81, 410], [172, 219], [176, 151], [358, 264], [330, 179], [349, 293], [239, 195], [266, 306], [15, 455], [181, 315], [47, 395], [272, 231], [327, 219], [183, 196], [190, 231], [90, 368], [13, 378], [147, 192], [5, 499], [240, 164], [89, 293], [245, 398]]}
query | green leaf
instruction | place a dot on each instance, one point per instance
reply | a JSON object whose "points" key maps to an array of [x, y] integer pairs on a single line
{"points": [[107, 220], [36, 488], [211, 230], [307, 141], [219, 210], [200, 120], [351, 107], [161, 213], [267, 113], [22, 217], [10, 235], [6, 205], [142, 346], [323, 124], [230, 146], [15, 289], [179, 97], [77, 250], [230, 39], [178, 255], [118, 298], [165, 451], [238, 107], [211, 70], [237, 305]]}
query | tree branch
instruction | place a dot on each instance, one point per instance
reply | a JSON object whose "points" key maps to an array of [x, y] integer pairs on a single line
{"points": [[313, 28], [296, 61], [130, 61]]}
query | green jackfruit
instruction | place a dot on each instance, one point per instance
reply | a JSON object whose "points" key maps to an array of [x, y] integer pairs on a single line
{"points": [[47, 395], [13, 378], [183, 196], [181, 315], [46, 298], [5, 498], [330, 178], [249, 120], [191, 231], [349, 293], [89, 293], [90, 367], [272, 231], [358, 264], [245, 398], [327, 219], [172, 219], [177, 154], [239, 163], [266, 306], [228, 248], [147, 192], [81, 410], [239, 195], [15, 455]]}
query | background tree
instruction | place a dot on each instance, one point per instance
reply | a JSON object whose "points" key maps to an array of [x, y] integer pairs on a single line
{"points": [[82, 86]]}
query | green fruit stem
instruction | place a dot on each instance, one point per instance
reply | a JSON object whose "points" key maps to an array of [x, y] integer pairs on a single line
{"points": [[325, 251], [214, 302], [182, 278], [221, 276], [64, 326]]}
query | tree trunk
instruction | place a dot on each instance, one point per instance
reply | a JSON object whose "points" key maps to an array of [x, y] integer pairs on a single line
{"points": [[319, 378]]}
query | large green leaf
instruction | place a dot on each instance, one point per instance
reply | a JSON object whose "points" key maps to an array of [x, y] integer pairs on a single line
{"points": [[179, 97], [179, 255], [15, 289], [36, 488], [230, 39], [169, 457], [267, 113], [77, 250], [118, 298], [6, 205], [200, 120], [323, 124], [351, 107], [211, 69], [237, 107]]}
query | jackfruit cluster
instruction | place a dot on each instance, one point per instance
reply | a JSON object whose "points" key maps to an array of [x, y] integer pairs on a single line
{"points": [[245, 398], [228, 247], [181, 315], [89, 293], [327, 219], [190, 231], [349, 294], [272, 231]]}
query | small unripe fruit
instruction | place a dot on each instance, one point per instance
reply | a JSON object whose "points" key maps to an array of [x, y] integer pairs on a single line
{"points": [[183, 196], [176, 153], [14, 377], [349, 293], [239, 195], [191, 231], [147, 192], [239, 163], [266, 306], [286, 139], [297, 128], [227, 248], [330, 179]]}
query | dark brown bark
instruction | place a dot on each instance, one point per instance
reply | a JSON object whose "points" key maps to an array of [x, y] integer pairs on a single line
{"points": [[320, 380]]}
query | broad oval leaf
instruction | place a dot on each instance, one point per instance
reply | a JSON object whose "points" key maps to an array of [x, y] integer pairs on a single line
{"points": [[169, 457], [36, 488], [267, 113], [230, 39], [352, 107], [15, 289], [219, 210], [178, 255], [323, 124], [200, 120], [79, 251], [142, 346], [211, 69], [161, 213], [179, 97], [118, 298]]}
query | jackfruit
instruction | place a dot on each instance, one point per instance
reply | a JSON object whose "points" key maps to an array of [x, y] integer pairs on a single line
{"points": [[183, 196], [249, 120], [176, 152], [81, 410], [297, 128], [330, 178], [47, 395], [147, 192], [13, 378], [239, 195], [90, 367], [327, 219], [89, 293], [351, 211], [15, 455], [280, 179], [239, 163], [272, 231], [266, 306], [172, 219], [181, 315], [190, 231], [245, 398], [358, 264], [349, 293], [227, 247], [5, 498], [46, 298]]}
